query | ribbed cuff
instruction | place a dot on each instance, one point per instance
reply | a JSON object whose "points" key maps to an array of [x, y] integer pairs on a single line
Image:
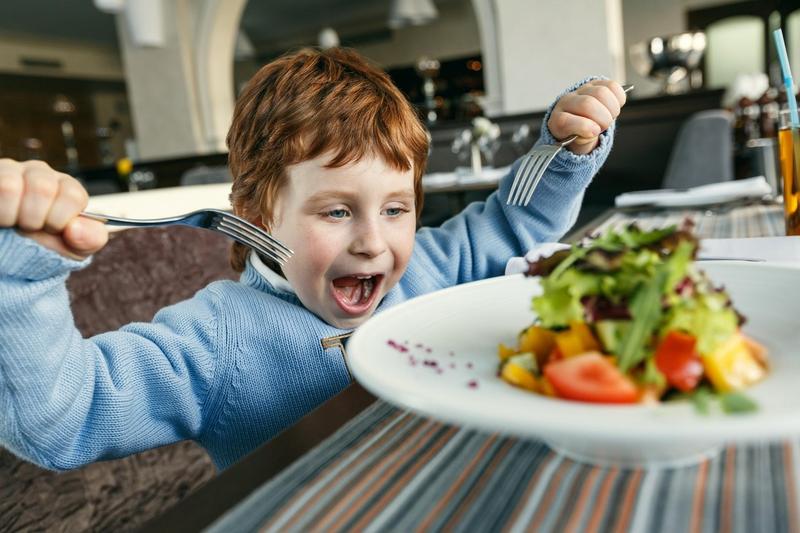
{"points": [[24, 258]]}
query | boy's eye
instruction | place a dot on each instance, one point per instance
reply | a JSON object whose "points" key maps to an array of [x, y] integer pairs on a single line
{"points": [[336, 213], [395, 211]]}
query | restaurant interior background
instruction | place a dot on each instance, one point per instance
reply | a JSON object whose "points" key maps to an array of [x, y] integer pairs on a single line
{"points": [[87, 86], [139, 95]]}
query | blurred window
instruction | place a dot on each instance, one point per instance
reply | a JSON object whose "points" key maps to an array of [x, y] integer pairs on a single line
{"points": [[793, 41], [735, 46]]}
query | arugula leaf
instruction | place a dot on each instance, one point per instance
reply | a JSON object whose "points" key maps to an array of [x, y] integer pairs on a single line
{"points": [[736, 402], [645, 309]]}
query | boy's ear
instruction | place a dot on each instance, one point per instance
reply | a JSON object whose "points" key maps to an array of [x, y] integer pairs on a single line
{"points": [[265, 221]]}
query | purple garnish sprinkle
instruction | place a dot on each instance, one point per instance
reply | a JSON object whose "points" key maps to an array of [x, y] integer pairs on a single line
{"points": [[469, 365], [399, 347], [430, 362], [472, 384]]}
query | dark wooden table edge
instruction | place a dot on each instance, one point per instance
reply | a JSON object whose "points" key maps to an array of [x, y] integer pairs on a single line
{"points": [[207, 504]]}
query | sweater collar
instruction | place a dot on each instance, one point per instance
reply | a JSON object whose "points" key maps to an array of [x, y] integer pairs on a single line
{"points": [[277, 281]]}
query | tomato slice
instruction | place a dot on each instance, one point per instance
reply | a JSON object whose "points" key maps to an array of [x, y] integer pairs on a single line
{"points": [[677, 358], [590, 377]]}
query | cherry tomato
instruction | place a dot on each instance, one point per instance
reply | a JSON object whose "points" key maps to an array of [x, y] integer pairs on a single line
{"points": [[677, 358], [590, 377]]}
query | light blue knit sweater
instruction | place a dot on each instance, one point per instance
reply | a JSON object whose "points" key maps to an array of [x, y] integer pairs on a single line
{"points": [[238, 362]]}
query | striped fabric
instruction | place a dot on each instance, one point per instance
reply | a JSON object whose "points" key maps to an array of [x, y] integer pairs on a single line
{"points": [[390, 470]]}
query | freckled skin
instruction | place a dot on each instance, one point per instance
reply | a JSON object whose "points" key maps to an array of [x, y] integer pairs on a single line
{"points": [[356, 219]]}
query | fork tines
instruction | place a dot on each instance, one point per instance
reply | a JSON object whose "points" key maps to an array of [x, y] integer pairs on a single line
{"points": [[529, 173], [252, 236]]}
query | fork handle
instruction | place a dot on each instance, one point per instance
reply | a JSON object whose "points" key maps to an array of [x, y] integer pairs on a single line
{"points": [[119, 221], [567, 141]]}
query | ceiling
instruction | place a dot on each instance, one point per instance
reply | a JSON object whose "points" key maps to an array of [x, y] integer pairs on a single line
{"points": [[64, 19], [268, 23]]}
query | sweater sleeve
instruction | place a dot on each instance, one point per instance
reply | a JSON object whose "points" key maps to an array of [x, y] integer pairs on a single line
{"points": [[477, 243], [67, 401]]}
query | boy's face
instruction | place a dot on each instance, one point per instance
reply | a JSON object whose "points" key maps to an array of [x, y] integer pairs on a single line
{"points": [[352, 232]]}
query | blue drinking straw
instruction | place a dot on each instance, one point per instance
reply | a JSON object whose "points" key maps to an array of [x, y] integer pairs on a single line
{"points": [[780, 45]]}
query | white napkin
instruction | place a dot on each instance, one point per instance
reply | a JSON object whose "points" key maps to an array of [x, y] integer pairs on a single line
{"points": [[439, 179], [780, 250], [488, 174], [463, 176], [713, 193], [785, 250]]}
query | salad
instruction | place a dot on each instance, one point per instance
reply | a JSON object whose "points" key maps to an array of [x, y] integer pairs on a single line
{"points": [[627, 317]]}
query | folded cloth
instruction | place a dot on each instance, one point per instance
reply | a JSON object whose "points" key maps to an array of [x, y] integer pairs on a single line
{"points": [[488, 174], [780, 250], [463, 176], [785, 250], [439, 179], [713, 193]]}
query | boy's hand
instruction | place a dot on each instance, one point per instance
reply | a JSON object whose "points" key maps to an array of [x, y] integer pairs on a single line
{"points": [[586, 112], [44, 204]]}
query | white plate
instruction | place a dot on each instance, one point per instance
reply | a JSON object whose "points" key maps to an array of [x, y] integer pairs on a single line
{"points": [[449, 372]]}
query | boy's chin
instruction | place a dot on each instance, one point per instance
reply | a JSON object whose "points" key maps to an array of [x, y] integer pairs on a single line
{"points": [[349, 322]]}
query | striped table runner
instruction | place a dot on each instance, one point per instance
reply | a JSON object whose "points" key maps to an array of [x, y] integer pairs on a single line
{"points": [[390, 470]]}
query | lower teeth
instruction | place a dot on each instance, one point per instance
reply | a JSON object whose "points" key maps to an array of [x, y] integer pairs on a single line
{"points": [[367, 289]]}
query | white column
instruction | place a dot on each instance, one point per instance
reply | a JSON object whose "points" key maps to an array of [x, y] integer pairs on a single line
{"points": [[215, 45], [181, 93], [533, 49]]}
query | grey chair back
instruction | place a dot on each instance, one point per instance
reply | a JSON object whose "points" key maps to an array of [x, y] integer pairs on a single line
{"points": [[702, 152]]}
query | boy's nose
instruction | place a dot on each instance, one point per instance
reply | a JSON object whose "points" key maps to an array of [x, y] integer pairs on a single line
{"points": [[368, 240]]}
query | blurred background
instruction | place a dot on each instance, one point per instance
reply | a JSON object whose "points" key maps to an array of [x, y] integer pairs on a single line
{"points": [[106, 88]]}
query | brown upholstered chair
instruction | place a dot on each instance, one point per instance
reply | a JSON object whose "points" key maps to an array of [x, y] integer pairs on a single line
{"points": [[136, 274]]}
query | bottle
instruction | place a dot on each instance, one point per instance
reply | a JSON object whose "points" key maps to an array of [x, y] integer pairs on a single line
{"points": [[788, 148]]}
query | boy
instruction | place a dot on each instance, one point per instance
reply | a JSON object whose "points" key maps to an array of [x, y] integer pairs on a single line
{"points": [[328, 156]]}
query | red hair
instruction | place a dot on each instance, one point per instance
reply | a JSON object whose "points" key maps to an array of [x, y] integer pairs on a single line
{"points": [[308, 103]]}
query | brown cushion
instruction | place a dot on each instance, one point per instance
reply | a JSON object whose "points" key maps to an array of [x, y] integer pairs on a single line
{"points": [[136, 274]]}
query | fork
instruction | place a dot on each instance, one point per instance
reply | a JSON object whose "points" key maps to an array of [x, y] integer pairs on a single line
{"points": [[223, 222], [532, 167]]}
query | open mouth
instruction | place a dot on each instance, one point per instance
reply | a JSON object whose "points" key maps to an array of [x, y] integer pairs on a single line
{"points": [[355, 294]]}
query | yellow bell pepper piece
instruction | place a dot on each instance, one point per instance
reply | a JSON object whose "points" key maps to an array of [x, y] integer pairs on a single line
{"points": [[569, 343], [586, 336], [537, 340], [731, 366], [504, 352], [519, 376], [576, 340]]}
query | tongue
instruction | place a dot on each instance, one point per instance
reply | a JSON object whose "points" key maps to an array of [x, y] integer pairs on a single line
{"points": [[350, 288]]}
